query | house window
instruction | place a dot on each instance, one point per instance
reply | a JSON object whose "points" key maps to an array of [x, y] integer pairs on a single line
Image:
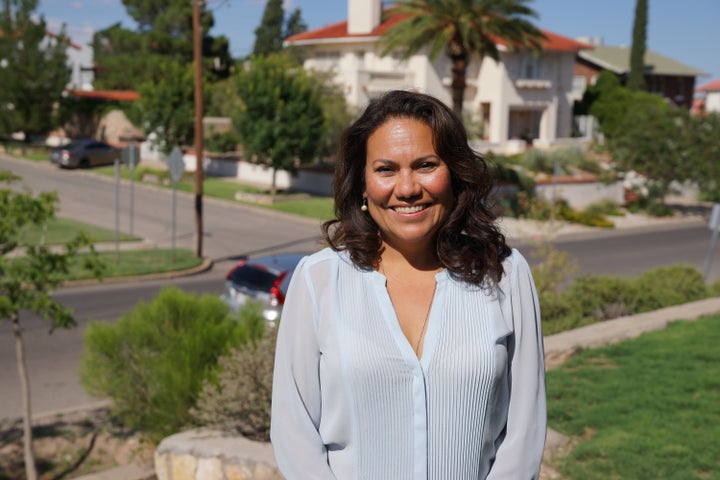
{"points": [[579, 85], [326, 60], [529, 67]]}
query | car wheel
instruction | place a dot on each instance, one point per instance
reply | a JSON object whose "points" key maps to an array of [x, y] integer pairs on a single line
{"points": [[84, 163]]}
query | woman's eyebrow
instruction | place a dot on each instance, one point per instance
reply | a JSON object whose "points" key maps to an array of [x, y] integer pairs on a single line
{"points": [[419, 159]]}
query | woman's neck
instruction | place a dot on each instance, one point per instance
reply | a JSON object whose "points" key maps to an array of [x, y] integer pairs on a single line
{"points": [[417, 259]]}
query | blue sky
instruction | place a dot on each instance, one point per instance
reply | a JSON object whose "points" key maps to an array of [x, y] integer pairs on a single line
{"points": [[684, 31]]}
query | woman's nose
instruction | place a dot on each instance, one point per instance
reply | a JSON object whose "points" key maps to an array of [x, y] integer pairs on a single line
{"points": [[407, 185]]}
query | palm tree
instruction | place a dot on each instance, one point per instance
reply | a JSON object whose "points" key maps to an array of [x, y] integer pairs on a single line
{"points": [[462, 28]]}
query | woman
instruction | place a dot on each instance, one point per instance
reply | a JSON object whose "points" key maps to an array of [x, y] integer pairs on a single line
{"points": [[411, 347]]}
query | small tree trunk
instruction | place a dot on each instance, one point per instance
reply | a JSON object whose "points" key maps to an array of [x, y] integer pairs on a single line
{"points": [[457, 87], [30, 468]]}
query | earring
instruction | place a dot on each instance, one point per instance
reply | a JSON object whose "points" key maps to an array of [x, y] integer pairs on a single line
{"points": [[364, 206]]}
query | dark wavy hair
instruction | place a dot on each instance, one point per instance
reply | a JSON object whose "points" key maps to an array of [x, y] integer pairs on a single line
{"points": [[469, 243]]}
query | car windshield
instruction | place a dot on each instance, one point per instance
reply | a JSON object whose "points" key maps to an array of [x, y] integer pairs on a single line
{"points": [[253, 278]]}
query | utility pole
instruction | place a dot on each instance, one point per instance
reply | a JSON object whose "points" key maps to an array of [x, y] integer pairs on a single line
{"points": [[197, 58]]}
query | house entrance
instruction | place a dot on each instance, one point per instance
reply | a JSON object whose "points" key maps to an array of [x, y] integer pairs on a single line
{"points": [[524, 124]]}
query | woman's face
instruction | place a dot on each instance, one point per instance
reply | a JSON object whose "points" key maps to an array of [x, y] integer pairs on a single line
{"points": [[407, 186]]}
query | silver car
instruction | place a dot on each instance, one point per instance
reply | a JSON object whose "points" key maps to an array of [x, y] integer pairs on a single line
{"points": [[84, 154], [264, 279]]}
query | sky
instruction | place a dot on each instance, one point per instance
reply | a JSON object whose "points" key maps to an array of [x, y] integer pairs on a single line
{"points": [[685, 31]]}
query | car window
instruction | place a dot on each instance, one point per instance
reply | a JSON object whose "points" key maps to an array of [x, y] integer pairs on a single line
{"points": [[253, 278]]}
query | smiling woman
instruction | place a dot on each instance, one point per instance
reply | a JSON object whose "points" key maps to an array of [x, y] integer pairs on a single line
{"points": [[411, 347]]}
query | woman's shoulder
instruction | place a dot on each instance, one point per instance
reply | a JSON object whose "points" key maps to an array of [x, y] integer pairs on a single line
{"points": [[325, 258], [514, 264]]}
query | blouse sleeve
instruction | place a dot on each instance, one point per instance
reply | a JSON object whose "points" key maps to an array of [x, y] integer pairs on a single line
{"points": [[519, 456], [299, 451]]}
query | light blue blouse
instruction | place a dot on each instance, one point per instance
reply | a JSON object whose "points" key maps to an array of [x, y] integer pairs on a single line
{"points": [[352, 401]]}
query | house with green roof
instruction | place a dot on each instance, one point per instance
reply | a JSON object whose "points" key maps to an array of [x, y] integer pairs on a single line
{"points": [[663, 75]]}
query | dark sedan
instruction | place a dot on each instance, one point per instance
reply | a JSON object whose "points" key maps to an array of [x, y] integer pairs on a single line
{"points": [[85, 154]]}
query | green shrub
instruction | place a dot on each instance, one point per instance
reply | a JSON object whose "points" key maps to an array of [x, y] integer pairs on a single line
{"points": [[596, 298], [605, 207], [152, 361], [666, 286], [600, 297], [237, 398], [586, 217]]}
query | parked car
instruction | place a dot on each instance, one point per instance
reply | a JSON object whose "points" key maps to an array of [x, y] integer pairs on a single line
{"points": [[84, 154], [264, 279]]}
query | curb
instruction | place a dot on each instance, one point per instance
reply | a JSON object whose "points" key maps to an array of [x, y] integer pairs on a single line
{"points": [[206, 265]]}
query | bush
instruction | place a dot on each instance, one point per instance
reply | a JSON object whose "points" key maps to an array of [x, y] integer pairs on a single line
{"points": [[596, 298], [238, 398], [153, 360], [665, 286]]}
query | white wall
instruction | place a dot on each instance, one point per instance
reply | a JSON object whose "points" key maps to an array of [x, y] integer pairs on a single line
{"points": [[712, 102]]}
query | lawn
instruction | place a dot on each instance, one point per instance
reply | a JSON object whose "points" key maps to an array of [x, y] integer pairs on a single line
{"points": [[645, 408], [123, 263], [62, 230]]}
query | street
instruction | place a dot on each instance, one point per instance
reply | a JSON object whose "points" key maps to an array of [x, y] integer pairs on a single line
{"points": [[232, 231]]}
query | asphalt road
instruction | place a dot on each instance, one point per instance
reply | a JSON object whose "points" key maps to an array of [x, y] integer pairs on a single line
{"points": [[235, 231]]}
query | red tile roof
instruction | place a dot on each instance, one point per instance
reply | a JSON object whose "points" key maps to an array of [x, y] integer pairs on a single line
{"points": [[121, 95], [338, 31], [709, 87]]}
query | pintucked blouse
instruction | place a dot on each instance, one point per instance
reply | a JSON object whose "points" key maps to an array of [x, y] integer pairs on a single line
{"points": [[351, 400]]}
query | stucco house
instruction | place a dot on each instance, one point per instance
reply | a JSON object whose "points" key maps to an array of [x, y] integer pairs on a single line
{"points": [[707, 98], [521, 96], [663, 75]]}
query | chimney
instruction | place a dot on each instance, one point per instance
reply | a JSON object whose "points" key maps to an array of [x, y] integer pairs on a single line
{"points": [[363, 16]]}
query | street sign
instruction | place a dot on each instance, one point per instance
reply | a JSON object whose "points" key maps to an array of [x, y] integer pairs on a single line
{"points": [[130, 155], [176, 165]]}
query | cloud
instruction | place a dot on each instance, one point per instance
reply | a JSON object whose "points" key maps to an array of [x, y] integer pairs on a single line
{"points": [[77, 5]]}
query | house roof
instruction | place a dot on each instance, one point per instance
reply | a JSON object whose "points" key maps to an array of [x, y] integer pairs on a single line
{"points": [[617, 60], [709, 87], [338, 32], [120, 95]]}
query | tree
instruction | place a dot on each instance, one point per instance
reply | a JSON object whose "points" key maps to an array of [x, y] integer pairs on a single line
{"points": [[33, 71], [125, 58], [26, 282], [269, 34], [652, 140], [166, 104], [281, 118], [295, 24], [704, 165], [463, 29], [274, 28], [636, 80]]}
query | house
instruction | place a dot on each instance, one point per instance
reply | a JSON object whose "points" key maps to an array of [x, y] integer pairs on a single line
{"points": [[665, 76], [707, 98], [523, 96]]}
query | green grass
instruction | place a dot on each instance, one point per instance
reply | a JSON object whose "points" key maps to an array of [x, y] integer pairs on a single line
{"points": [[315, 207], [646, 408], [124, 263], [62, 230], [140, 262]]}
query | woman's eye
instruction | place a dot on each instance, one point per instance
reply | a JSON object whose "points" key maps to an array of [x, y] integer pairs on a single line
{"points": [[427, 165], [383, 169]]}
